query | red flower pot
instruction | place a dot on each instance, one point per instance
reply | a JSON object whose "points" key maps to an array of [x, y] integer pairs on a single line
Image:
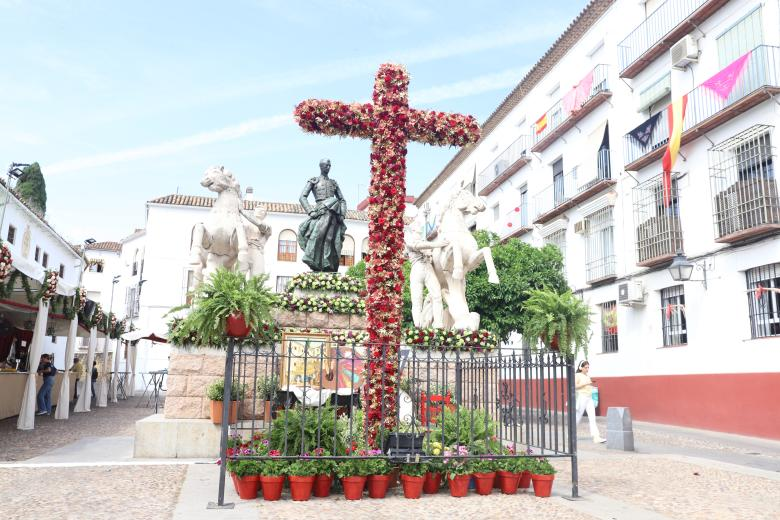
{"points": [[413, 486], [432, 483], [484, 482], [508, 482], [235, 481], [542, 485], [322, 484], [377, 485], [247, 487], [300, 487], [459, 486], [353, 487], [237, 326], [525, 480], [216, 412], [272, 487]]}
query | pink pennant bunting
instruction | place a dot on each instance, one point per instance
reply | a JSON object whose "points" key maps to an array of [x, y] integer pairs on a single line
{"points": [[723, 82]]}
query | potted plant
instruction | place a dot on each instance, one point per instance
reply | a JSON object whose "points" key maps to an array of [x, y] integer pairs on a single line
{"points": [[458, 470], [246, 477], [378, 469], [561, 321], [272, 471], [435, 468], [413, 478], [323, 479], [301, 475], [509, 473], [483, 470], [266, 388], [352, 473], [542, 476], [216, 392]]}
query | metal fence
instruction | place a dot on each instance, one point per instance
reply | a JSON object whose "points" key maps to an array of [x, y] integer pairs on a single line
{"points": [[517, 399]]}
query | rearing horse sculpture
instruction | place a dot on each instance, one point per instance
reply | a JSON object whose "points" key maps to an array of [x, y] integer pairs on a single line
{"points": [[460, 257], [221, 240]]}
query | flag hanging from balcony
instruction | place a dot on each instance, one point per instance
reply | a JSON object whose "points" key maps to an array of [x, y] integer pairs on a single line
{"points": [[675, 116], [541, 124], [644, 132], [723, 82], [578, 95]]}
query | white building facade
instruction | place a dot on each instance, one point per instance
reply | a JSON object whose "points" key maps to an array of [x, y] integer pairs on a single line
{"points": [[586, 174]]}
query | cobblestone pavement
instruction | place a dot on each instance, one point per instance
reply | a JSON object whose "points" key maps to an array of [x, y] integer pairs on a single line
{"points": [[104, 492], [116, 420]]}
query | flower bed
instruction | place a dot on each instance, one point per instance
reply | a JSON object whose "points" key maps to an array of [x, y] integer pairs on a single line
{"points": [[444, 339], [331, 282], [329, 305]]}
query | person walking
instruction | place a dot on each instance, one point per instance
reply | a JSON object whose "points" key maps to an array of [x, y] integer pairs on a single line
{"points": [[94, 379], [583, 386], [78, 371], [47, 370]]}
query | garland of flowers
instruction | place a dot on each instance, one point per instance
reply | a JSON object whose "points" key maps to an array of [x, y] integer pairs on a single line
{"points": [[445, 339], [333, 282], [390, 123], [50, 281], [328, 304], [5, 261]]}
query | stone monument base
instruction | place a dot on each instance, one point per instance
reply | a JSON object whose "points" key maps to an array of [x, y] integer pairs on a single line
{"points": [[157, 436]]}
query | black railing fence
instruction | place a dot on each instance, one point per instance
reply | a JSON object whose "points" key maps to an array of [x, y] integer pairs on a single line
{"points": [[302, 397]]}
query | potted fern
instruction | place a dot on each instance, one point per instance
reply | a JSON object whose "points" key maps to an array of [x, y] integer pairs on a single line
{"points": [[561, 321]]}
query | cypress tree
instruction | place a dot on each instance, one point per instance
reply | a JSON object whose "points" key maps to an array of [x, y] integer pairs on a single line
{"points": [[32, 187]]}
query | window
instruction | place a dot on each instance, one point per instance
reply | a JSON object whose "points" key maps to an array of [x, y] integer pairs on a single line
{"points": [[135, 263], [62, 271], [347, 252], [744, 36], [558, 194], [657, 95], [37, 254], [288, 246], [763, 285], [45, 261], [658, 227], [131, 302], [599, 245], [558, 239], [364, 249], [675, 327], [11, 234], [524, 205], [282, 282], [609, 327], [496, 212], [95, 266]]}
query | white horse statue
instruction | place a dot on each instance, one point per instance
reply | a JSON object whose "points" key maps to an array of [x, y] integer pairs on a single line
{"points": [[460, 257], [220, 241]]}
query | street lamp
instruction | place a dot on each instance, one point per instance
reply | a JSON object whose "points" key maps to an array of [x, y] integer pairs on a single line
{"points": [[681, 269]]}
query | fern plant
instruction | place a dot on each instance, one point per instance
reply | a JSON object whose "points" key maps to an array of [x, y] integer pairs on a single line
{"points": [[300, 430], [563, 316]]}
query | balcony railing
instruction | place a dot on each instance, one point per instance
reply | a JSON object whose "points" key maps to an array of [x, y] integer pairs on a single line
{"points": [[572, 188], [600, 246], [759, 80], [504, 166], [573, 106], [662, 29], [658, 228], [513, 223], [744, 188]]}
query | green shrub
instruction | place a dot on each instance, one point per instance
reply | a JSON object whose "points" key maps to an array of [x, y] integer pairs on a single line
{"points": [[216, 390], [301, 430]]}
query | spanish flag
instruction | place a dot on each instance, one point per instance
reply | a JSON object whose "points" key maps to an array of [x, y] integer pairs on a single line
{"points": [[540, 124], [675, 116]]}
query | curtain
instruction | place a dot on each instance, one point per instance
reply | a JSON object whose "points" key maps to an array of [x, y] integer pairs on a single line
{"points": [[26, 420], [133, 358], [102, 399], [85, 392], [63, 402], [115, 378]]}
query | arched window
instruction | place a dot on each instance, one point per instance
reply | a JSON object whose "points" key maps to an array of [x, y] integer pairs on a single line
{"points": [[288, 246], [347, 251], [364, 249]]}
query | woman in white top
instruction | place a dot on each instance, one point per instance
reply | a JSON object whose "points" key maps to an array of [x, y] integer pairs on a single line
{"points": [[583, 387]]}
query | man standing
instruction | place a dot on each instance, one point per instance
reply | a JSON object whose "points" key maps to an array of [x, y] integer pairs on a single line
{"points": [[78, 371], [94, 379], [422, 276], [47, 370]]}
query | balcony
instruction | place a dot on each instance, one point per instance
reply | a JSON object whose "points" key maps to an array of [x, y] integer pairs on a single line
{"points": [[573, 188], [759, 81], [580, 101], [658, 228], [663, 28], [504, 166], [513, 224], [744, 189], [600, 261]]}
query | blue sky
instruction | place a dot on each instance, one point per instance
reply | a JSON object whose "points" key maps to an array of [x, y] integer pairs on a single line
{"points": [[121, 102]]}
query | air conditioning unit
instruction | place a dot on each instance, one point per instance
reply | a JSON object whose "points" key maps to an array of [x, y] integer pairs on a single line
{"points": [[684, 52], [582, 226], [631, 293]]}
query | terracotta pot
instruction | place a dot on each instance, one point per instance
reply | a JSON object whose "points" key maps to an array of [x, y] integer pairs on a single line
{"points": [[413, 486], [272, 487], [395, 473], [267, 414], [237, 326], [300, 487], [542, 485], [508, 482], [234, 478], [216, 412], [377, 485], [525, 480], [322, 484], [484, 482], [553, 345], [432, 483], [353, 487], [247, 487], [459, 486]]}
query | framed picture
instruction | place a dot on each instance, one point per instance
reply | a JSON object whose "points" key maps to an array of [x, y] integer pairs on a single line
{"points": [[347, 364], [305, 359]]}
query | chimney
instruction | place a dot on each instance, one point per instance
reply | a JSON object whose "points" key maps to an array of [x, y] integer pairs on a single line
{"points": [[250, 193]]}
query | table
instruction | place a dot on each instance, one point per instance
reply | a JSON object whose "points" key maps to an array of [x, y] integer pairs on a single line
{"points": [[120, 384], [156, 378]]}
